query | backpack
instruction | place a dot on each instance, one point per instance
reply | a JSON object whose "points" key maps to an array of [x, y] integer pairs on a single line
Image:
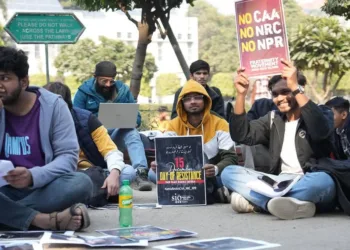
{"points": [[97, 176]]}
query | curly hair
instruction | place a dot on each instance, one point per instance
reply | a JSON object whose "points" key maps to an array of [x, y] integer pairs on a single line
{"points": [[13, 60]]}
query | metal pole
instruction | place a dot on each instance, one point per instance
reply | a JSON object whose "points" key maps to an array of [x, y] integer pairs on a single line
{"points": [[47, 63]]}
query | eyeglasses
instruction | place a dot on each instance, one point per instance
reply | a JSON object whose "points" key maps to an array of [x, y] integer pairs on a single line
{"points": [[190, 98], [280, 92]]}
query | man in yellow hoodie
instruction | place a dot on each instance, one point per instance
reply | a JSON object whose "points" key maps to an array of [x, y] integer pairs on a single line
{"points": [[195, 118]]}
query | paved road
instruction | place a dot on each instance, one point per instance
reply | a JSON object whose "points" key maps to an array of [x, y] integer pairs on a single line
{"points": [[329, 231]]}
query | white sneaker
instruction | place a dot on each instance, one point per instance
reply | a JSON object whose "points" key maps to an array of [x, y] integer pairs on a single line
{"points": [[240, 204], [287, 208]]}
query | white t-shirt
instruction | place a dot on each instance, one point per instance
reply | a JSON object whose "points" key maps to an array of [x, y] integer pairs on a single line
{"points": [[290, 162]]}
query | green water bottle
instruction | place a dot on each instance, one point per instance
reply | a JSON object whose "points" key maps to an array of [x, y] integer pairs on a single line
{"points": [[125, 205]]}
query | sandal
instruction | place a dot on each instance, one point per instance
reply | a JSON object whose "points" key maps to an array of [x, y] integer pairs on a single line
{"points": [[67, 218]]}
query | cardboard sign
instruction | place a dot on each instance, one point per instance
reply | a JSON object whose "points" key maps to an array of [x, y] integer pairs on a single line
{"points": [[262, 36], [180, 174]]}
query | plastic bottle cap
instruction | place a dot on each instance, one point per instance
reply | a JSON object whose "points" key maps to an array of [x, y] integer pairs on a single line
{"points": [[126, 182]]}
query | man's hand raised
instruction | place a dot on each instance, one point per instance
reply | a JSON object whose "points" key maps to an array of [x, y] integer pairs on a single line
{"points": [[290, 74], [241, 82]]}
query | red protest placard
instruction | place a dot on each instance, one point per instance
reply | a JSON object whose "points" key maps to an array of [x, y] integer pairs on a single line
{"points": [[262, 36]]}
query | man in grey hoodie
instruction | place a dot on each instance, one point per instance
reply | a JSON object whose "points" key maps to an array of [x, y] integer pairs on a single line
{"points": [[38, 137]]}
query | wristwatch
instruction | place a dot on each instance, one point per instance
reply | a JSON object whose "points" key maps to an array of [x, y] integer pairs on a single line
{"points": [[300, 90]]}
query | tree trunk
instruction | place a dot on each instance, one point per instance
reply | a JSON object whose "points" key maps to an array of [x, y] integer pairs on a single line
{"points": [[140, 56], [313, 87], [174, 42], [325, 80]]}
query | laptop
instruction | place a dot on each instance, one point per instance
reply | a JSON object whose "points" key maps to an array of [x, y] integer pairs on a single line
{"points": [[118, 115]]}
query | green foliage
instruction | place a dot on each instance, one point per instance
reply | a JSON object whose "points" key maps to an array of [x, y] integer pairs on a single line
{"points": [[224, 82], [68, 4], [337, 7], [94, 5], [80, 59], [322, 45], [293, 15], [167, 84], [217, 37], [145, 89], [39, 80], [148, 113]]}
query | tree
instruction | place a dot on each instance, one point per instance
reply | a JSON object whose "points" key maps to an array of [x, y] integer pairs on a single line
{"points": [[224, 82], [80, 59], [217, 38], [337, 7], [293, 15], [152, 11], [167, 84], [323, 46]]}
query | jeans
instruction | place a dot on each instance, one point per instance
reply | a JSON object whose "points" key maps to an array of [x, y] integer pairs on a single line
{"points": [[130, 139], [19, 206], [128, 173], [318, 187]]}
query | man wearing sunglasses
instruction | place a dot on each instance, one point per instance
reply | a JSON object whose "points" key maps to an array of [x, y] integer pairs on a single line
{"points": [[298, 132], [103, 88]]}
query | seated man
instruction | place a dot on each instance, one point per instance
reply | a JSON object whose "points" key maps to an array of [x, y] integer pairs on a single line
{"points": [[195, 118], [96, 147], [299, 132], [257, 156], [340, 107], [37, 135], [103, 88], [200, 71]]}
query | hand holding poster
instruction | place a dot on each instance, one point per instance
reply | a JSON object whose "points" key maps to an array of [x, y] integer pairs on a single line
{"points": [[262, 36], [180, 174]]}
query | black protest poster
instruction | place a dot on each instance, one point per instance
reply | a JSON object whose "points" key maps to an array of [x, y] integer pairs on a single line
{"points": [[180, 174]]}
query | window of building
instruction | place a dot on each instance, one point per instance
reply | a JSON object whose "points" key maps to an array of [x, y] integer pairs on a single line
{"points": [[189, 36], [179, 36], [119, 35], [129, 34]]}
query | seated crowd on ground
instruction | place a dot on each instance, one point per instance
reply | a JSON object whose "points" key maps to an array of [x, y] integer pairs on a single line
{"points": [[66, 159]]}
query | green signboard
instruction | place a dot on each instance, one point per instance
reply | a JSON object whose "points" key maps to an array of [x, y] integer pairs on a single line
{"points": [[54, 28]]}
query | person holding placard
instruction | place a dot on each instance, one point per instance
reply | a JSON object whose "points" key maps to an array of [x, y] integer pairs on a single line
{"points": [[195, 118], [295, 134]]}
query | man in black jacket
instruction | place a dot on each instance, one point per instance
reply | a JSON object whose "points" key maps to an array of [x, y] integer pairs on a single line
{"points": [[340, 107], [295, 134], [200, 73]]}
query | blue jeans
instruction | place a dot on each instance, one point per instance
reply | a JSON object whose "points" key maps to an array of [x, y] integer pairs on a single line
{"points": [[317, 187], [19, 206], [130, 139], [128, 173]]}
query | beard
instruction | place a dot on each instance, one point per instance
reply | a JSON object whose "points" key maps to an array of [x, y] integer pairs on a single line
{"points": [[12, 98], [106, 92]]}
